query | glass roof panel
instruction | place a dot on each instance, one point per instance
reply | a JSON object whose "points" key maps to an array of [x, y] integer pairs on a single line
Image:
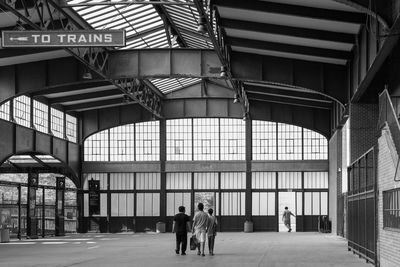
{"points": [[173, 84], [21, 159], [132, 17], [144, 27], [185, 17]]}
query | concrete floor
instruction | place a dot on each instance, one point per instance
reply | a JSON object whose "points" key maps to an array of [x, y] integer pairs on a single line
{"points": [[147, 250]]}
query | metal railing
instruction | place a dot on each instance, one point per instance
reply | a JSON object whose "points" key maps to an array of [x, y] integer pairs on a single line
{"points": [[361, 207]]}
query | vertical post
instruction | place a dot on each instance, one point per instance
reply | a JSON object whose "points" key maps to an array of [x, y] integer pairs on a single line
{"points": [[60, 220], [19, 210], [277, 200], [11, 116], [163, 157], [80, 202], [248, 136], [108, 202], [31, 226], [302, 202], [44, 212]]}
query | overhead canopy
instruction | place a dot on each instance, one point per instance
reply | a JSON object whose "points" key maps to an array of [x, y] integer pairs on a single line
{"points": [[321, 32]]}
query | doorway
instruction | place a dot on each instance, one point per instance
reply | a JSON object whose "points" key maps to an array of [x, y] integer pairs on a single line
{"points": [[209, 199], [286, 199]]}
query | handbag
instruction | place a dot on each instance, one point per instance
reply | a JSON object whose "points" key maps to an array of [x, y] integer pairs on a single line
{"points": [[193, 242]]}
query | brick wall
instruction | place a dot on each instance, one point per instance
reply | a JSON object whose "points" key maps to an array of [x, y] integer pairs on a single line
{"points": [[363, 128], [388, 240]]}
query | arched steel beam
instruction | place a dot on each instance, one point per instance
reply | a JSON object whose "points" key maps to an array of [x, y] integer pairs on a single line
{"points": [[365, 9], [16, 139]]}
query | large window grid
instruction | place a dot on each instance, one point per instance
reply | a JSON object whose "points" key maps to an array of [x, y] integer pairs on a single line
{"points": [[122, 204], [316, 203], [278, 141], [264, 140], [148, 181], [176, 199], [289, 142], [71, 128], [40, 116], [5, 111], [206, 139], [122, 143], [233, 139], [147, 204], [263, 203], [147, 141], [96, 147], [22, 110], [57, 123], [179, 180], [179, 139], [214, 139], [315, 146], [233, 204]]}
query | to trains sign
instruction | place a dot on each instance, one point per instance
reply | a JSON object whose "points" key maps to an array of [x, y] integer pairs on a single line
{"points": [[85, 38]]}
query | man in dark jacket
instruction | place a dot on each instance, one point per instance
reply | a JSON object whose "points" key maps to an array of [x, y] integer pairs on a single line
{"points": [[181, 226]]}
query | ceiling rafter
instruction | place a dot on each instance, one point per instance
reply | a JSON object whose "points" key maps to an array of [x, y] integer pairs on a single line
{"points": [[287, 30], [161, 10], [97, 105], [70, 87], [295, 10], [288, 101], [95, 58], [85, 96], [286, 93], [289, 48], [223, 55]]}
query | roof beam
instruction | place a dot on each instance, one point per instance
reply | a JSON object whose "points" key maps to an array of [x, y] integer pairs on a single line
{"points": [[95, 59], [285, 93], [70, 87], [294, 10], [288, 48], [288, 101], [287, 30], [96, 105], [161, 10], [221, 53], [164, 63], [86, 96], [40, 161]]}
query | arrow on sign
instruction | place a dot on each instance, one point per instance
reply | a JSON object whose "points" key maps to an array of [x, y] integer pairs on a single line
{"points": [[25, 39]]}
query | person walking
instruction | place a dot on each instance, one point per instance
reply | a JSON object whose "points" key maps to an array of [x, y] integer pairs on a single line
{"points": [[211, 231], [181, 226], [286, 218], [200, 222]]}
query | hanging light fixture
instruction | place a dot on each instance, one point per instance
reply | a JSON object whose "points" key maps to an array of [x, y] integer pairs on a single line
{"points": [[245, 117], [235, 99], [87, 75], [223, 73]]}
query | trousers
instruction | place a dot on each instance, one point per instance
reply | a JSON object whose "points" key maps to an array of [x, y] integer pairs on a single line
{"points": [[211, 241], [181, 238]]}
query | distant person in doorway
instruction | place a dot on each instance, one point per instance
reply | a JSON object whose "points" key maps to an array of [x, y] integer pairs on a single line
{"points": [[286, 218], [200, 223], [181, 226], [211, 231]]}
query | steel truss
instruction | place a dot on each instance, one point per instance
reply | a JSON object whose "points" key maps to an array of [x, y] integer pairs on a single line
{"points": [[220, 47], [51, 16]]}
